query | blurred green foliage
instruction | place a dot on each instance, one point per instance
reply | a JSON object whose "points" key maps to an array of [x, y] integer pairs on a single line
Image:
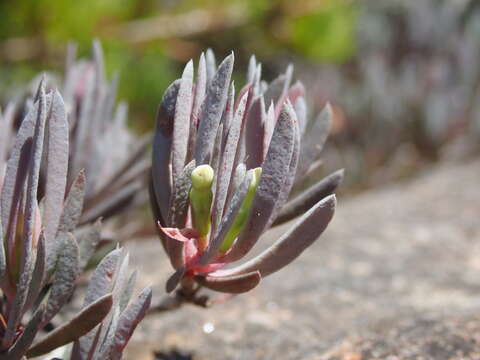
{"points": [[147, 41], [326, 34]]}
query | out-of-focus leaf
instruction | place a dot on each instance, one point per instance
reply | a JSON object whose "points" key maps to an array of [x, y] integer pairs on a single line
{"points": [[327, 34]]}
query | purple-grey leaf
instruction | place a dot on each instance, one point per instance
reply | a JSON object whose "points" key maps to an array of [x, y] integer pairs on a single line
{"points": [[217, 152], [178, 213], [129, 319], [9, 190], [57, 168], [301, 111], [162, 143], [19, 349], [304, 201], [101, 282], [252, 68], [38, 278], [181, 125], [87, 243], [31, 208], [211, 66], [227, 116], [290, 178], [180, 199], [107, 336], [313, 144], [274, 173], [231, 284], [66, 272], [227, 161], [254, 133], [72, 209], [301, 235], [212, 110], [20, 166], [127, 291], [200, 88], [81, 324]]}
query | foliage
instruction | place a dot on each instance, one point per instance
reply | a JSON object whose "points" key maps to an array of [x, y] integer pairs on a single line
{"points": [[40, 258], [222, 172]]}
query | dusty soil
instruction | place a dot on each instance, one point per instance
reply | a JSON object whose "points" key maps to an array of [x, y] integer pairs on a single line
{"points": [[396, 276]]}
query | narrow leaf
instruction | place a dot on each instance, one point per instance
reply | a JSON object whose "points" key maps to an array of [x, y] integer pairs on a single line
{"points": [[231, 284], [286, 249], [57, 168], [129, 319], [66, 272], [212, 110], [304, 201], [181, 127], [162, 143], [274, 172], [81, 324]]}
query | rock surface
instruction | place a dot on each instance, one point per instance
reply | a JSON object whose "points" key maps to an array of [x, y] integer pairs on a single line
{"points": [[396, 276]]}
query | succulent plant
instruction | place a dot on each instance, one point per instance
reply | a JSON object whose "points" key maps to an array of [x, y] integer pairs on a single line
{"points": [[40, 258], [113, 157], [222, 172]]}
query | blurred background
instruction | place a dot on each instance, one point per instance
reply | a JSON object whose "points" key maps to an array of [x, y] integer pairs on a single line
{"points": [[403, 76]]}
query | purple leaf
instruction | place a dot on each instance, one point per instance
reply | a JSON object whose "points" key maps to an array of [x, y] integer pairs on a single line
{"points": [[304, 201], [224, 173], [129, 319], [254, 133], [73, 206], [66, 272], [231, 284], [87, 243], [181, 127], [286, 249], [162, 143], [57, 167], [26, 338], [274, 173], [212, 110], [81, 324]]}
